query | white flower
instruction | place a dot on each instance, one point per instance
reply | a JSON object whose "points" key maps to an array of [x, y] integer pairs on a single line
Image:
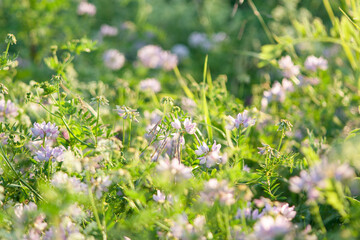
{"points": [[86, 8], [176, 124], [202, 149], [190, 127], [175, 169], [150, 56], [159, 197], [107, 30], [215, 190], [268, 228], [313, 63], [151, 84], [210, 158], [113, 59], [288, 68], [168, 60]]}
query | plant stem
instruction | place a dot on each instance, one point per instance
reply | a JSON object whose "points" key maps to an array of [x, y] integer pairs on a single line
{"points": [[282, 136], [92, 202], [18, 175], [129, 133], [123, 132], [97, 124]]}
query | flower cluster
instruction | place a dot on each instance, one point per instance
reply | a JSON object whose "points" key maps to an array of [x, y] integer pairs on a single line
{"points": [[113, 59], [242, 120], [150, 84], [45, 130], [153, 56], [126, 112], [174, 169], [85, 8], [277, 92], [7, 109], [100, 185], [189, 126], [48, 153], [289, 69], [207, 156], [182, 229], [202, 41], [73, 184], [270, 208], [217, 190], [313, 63], [107, 30], [317, 176]]}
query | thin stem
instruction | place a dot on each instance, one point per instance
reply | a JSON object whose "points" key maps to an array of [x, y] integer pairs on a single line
{"points": [[282, 136], [262, 22], [92, 202], [7, 50], [129, 133], [18, 175], [123, 132], [66, 125], [97, 124]]}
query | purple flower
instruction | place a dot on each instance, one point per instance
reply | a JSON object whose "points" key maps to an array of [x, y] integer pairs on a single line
{"points": [[62, 180], [45, 130], [3, 139], [47, 153], [7, 109], [242, 119], [181, 51]]}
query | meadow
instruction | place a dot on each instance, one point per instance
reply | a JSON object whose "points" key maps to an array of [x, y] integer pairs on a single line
{"points": [[179, 119]]}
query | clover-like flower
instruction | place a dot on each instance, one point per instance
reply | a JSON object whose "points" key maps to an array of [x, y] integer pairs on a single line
{"points": [[151, 84], [288, 68], [159, 197], [176, 124], [126, 112], [210, 158], [313, 63], [86, 8], [113, 59], [48, 153], [242, 120], [190, 127], [48, 130]]}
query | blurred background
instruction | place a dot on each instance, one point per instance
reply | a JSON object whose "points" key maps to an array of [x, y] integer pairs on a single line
{"points": [[228, 31]]}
